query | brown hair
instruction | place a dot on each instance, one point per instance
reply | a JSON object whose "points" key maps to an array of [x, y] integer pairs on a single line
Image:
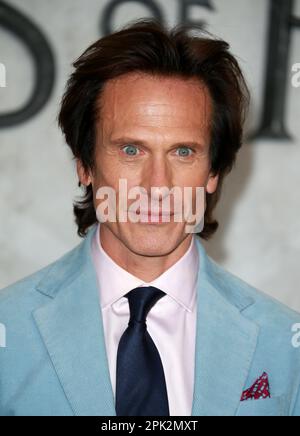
{"points": [[147, 46]]}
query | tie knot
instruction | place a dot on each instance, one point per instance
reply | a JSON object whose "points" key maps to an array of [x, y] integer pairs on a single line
{"points": [[141, 300]]}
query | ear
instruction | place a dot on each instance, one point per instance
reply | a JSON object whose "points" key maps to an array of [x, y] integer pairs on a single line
{"points": [[212, 183], [84, 177]]}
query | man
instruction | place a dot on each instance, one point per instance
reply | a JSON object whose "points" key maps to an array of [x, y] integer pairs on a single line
{"points": [[137, 319]]}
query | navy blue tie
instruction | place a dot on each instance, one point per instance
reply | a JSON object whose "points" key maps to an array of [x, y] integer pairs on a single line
{"points": [[140, 383]]}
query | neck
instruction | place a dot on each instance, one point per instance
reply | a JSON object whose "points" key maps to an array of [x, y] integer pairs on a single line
{"points": [[146, 268]]}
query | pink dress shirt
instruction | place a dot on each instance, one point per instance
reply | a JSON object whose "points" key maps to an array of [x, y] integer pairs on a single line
{"points": [[171, 322]]}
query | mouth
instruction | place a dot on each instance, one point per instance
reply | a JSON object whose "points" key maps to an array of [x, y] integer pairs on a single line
{"points": [[154, 218], [155, 214]]}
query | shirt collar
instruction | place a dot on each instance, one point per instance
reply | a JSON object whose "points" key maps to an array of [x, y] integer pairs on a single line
{"points": [[178, 281]]}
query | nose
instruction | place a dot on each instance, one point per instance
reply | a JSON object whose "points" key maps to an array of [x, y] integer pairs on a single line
{"points": [[158, 175]]}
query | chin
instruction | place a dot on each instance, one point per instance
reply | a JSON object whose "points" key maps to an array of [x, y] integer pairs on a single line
{"points": [[154, 241]]}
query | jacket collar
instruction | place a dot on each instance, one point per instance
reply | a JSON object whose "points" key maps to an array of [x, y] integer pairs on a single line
{"points": [[71, 327]]}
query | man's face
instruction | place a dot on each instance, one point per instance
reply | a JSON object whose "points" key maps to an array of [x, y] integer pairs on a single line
{"points": [[153, 132]]}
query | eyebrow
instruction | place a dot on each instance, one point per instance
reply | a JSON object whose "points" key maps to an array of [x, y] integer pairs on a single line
{"points": [[126, 140]]}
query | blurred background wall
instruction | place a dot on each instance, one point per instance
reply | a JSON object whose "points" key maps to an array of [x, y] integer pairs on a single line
{"points": [[258, 238]]}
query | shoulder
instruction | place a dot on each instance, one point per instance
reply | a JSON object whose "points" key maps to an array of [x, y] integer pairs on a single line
{"points": [[261, 307], [23, 294]]}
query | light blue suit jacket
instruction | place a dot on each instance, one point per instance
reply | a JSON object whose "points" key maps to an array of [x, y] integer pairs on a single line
{"points": [[55, 360]]}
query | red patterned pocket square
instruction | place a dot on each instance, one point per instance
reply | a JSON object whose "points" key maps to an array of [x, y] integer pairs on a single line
{"points": [[259, 390]]}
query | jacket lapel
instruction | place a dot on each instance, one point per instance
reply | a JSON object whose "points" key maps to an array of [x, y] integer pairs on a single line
{"points": [[72, 330], [225, 341]]}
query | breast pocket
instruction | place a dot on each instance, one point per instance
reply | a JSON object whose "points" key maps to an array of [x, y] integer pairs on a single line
{"points": [[265, 407]]}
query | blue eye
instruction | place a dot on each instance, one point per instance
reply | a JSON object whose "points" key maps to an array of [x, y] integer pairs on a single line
{"points": [[131, 150], [185, 151]]}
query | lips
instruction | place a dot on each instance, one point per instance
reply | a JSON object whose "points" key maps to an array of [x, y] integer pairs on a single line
{"points": [[155, 218], [160, 214]]}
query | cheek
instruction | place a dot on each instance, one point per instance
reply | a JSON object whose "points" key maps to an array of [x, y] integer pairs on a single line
{"points": [[116, 178], [196, 174], [192, 178], [107, 173], [113, 169]]}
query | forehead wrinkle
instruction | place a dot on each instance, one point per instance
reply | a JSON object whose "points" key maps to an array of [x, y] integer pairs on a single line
{"points": [[152, 113]]}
